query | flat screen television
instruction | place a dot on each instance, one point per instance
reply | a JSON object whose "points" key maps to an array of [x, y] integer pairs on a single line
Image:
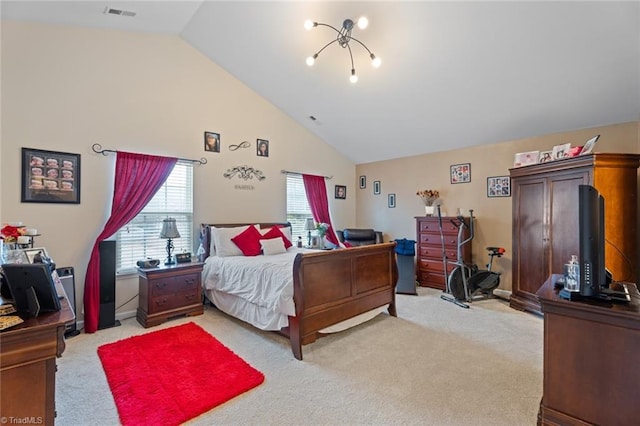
{"points": [[594, 276], [592, 241], [32, 288]]}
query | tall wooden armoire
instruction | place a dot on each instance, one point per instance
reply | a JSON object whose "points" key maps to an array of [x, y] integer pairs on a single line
{"points": [[545, 219]]}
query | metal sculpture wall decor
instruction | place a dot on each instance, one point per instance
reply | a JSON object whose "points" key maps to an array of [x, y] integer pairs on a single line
{"points": [[244, 173], [243, 144]]}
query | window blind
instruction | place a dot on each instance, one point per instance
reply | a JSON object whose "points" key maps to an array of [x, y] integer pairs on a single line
{"points": [[140, 238], [298, 209]]}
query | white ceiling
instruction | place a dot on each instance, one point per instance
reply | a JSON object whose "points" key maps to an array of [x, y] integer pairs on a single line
{"points": [[454, 74]]}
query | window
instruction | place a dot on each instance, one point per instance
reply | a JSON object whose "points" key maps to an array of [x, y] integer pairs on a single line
{"points": [[140, 238], [297, 206]]}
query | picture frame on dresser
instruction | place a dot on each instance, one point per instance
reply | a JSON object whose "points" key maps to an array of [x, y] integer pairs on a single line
{"points": [[50, 177]]}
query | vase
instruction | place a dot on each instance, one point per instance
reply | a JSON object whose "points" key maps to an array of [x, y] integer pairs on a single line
{"points": [[429, 210]]}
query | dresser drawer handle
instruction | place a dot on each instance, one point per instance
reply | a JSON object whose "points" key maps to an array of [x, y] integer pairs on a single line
{"points": [[162, 302], [161, 286]]}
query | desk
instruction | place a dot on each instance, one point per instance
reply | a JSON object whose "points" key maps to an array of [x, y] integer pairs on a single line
{"points": [[28, 354], [591, 348]]}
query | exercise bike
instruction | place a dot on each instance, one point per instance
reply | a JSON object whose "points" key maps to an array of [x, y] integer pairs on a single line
{"points": [[466, 281]]}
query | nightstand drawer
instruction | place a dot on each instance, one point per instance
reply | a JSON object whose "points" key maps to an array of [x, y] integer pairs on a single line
{"points": [[172, 301], [170, 285]]}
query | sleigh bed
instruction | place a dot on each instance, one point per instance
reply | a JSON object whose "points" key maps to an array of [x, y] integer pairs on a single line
{"points": [[330, 290]]}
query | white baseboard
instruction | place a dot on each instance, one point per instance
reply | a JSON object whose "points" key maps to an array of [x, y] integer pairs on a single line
{"points": [[119, 316]]}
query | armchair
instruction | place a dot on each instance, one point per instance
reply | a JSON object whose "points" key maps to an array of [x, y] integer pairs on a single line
{"points": [[359, 237]]}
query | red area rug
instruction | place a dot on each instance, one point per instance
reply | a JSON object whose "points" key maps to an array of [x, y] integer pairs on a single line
{"points": [[169, 376]]}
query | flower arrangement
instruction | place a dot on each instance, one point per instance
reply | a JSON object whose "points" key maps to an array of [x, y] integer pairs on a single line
{"points": [[428, 196], [10, 233], [321, 229]]}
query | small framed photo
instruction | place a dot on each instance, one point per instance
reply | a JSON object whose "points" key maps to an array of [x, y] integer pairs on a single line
{"points": [[363, 182], [545, 156], [526, 158], [262, 148], [212, 142], [376, 187], [561, 151], [341, 192], [391, 201], [461, 173], [50, 177], [33, 252], [588, 145], [498, 186]]}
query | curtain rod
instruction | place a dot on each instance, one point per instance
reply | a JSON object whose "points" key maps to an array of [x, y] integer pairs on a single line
{"points": [[287, 172], [97, 148]]}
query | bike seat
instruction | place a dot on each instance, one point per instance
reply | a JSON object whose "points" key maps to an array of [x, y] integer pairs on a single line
{"points": [[496, 251]]}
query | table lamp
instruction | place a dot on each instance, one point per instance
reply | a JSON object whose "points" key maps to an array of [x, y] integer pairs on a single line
{"points": [[309, 226], [169, 231]]}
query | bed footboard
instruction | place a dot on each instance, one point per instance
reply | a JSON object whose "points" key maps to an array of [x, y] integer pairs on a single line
{"points": [[335, 285]]}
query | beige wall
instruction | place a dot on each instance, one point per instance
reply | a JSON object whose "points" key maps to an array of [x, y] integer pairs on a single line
{"points": [[405, 176], [66, 88]]}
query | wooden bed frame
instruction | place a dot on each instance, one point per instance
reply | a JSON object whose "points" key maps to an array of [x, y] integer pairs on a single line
{"points": [[330, 286]]}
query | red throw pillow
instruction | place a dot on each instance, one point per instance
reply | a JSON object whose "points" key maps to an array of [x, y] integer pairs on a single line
{"points": [[275, 232], [248, 241]]}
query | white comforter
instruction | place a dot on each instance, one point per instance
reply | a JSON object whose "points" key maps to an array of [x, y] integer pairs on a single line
{"points": [[265, 281]]}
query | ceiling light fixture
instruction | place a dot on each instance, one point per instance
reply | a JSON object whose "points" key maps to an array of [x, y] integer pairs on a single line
{"points": [[344, 38]]}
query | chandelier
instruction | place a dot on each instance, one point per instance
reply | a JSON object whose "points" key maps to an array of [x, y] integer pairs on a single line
{"points": [[344, 38]]}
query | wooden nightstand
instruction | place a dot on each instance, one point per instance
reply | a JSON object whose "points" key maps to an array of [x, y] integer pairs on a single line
{"points": [[169, 291]]}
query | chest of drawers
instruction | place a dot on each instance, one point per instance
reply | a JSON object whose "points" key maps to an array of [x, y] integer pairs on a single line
{"points": [[169, 291], [429, 264]]}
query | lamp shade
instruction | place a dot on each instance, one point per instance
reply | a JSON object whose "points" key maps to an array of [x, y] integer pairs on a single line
{"points": [[169, 228], [309, 225]]}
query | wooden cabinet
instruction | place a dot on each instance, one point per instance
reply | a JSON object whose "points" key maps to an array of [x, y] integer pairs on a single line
{"points": [[590, 350], [169, 291], [545, 219], [28, 354], [429, 265]]}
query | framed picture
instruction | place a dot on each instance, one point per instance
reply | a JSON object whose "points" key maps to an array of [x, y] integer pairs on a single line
{"points": [[391, 200], [376, 187], [498, 186], [262, 148], [561, 151], [588, 145], [526, 158], [212, 142], [545, 156], [50, 177], [461, 173], [363, 182], [32, 252], [341, 192]]}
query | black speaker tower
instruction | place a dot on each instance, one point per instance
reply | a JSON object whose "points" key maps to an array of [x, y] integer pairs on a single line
{"points": [[107, 316]]}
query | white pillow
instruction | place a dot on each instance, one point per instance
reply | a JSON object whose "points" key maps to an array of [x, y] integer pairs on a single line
{"points": [[221, 239], [286, 231], [273, 246]]}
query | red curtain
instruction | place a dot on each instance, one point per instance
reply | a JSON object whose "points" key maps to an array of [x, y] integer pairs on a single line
{"points": [[316, 191], [138, 177]]}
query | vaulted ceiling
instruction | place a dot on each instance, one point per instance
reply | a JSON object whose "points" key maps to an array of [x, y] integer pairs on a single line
{"points": [[453, 74]]}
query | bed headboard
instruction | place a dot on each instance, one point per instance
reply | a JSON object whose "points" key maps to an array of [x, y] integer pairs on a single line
{"points": [[205, 233]]}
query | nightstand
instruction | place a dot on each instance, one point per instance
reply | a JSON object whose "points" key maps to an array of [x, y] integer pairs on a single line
{"points": [[169, 291]]}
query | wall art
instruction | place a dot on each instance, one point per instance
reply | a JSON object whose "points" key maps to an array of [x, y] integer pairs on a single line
{"points": [[50, 177], [243, 144], [363, 182], [498, 186], [212, 142], [561, 151], [545, 156], [461, 173], [341, 192], [262, 148], [376, 187], [391, 201], [244, 173]]}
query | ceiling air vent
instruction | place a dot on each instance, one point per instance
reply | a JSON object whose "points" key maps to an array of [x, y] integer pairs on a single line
{"points": [[111, 11]]}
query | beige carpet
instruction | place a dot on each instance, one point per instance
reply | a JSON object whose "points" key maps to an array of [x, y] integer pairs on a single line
{"points": [[436, 364]]}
